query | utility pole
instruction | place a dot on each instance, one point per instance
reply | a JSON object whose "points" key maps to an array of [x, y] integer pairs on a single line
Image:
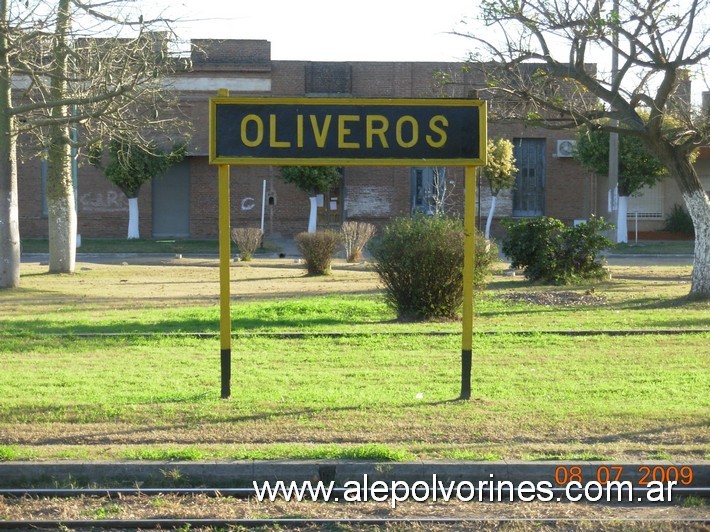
{"points": [[613, 194]]}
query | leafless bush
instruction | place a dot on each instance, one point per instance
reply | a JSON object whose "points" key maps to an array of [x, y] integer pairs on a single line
{"points": [[247, 240], [318, 249], [355, 236]]}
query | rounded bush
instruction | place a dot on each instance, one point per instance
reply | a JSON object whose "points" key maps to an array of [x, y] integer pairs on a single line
{"points": [[420, 262], [679, 221], [318, 249], [551, 252]]}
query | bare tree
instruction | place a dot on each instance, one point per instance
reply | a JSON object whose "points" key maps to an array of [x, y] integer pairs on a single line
{"points": [[66, 77], [542, 64], [441, 194]]}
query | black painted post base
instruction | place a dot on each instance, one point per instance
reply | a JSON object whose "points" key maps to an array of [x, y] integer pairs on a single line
{"points": [[226, 359], [465, 374]]}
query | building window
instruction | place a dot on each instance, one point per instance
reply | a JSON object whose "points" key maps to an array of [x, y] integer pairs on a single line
{"points": [[328, 78], [429, 190], [647, 203]]}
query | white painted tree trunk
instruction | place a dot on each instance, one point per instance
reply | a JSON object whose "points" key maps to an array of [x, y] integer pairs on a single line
{"points": [[490, 217], [62, 231], [312, 218], [698, 205], [61, 208], [622, 230], [9, 215], [133, 219]]}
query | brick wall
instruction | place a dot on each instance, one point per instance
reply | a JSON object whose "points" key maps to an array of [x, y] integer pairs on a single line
{"points": [[371, 193], [209, 54], [103, 208], [33, 223]]}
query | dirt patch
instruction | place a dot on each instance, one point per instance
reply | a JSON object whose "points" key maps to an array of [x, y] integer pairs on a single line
{"points": [[288, 277], [145, 281], [554, 298]]}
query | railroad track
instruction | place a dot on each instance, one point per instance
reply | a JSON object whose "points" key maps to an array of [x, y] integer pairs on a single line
{"points": [[298, 523], [310, 523], [244, 493]]}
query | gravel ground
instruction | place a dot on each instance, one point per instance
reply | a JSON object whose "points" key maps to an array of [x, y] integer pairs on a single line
{"points": [[571, 516]]}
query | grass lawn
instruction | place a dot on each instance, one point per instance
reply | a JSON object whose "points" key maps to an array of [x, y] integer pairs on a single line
{"points": [[369, 393], [656, 247]]}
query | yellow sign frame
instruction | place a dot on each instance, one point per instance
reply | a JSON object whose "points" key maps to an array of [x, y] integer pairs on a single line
{"points": [[469, 213]]}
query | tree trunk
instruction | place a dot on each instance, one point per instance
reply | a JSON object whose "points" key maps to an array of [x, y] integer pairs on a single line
{"points": [[490, 217], [622, 230], [61, 208], [133, 218], [698, 205], [9, 217], [313, 217]]}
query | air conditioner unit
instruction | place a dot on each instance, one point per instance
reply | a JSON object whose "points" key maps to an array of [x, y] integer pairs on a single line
{"points": [[565, 148]]}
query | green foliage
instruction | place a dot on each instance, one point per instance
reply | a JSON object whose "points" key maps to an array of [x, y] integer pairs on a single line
{"points": [[247, 240], [7, 453], [318, 249], [693, 501], [159, 453], [637, 167], [130, 166], [530, 244], [311, 179], [679, 221], [551, 252], [500, 170], [420, 262]]}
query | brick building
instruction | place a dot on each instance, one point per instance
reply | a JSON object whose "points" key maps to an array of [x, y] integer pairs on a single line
{"points": [[183, 202]]}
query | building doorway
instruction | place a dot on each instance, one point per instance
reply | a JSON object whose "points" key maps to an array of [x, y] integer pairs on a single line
{"points": [[330, 209], [171, 202], [529, 191]]}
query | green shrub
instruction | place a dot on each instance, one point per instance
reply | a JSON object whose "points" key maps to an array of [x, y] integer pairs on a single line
{"points": [[679, 221], [318, 249], [551, 252], [420, 262], [247, 240]]}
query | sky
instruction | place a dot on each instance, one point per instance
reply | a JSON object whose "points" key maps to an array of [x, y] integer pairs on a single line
{"points": [[331, 30], [353, 30]]}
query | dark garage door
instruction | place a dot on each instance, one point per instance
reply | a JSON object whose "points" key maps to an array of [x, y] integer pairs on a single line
{"points": [[171, 202]]}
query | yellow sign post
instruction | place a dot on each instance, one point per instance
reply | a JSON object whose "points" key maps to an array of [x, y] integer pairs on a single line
{"points": [[225, 314], [347, 132], [469, 228]]}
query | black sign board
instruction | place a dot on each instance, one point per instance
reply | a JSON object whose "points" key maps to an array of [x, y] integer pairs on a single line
{"points": [[347, 132]]}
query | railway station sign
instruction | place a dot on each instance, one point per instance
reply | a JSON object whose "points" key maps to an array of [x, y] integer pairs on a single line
{"points": [[347, 131]]}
